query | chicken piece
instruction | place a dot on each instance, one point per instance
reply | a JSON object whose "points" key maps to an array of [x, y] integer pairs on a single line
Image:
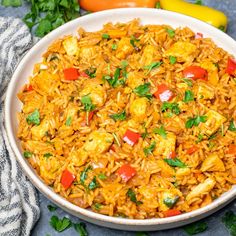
{"points": [[31, 100], [98, 141], [124, 48], [212, 163], [213, 122], [96, 92], [175, 124], [134, 79], [166, 170], [205, 91], [147, 55], [181, 172], [48, 168], [165, 145], [212, 70], [70, 45], [38, 147], [132, 123], [149, 196], [138, 108], [45, 83], [167, 198], [78, 157], [200, 190], [88, 52], [182, 50], [39, 131]]}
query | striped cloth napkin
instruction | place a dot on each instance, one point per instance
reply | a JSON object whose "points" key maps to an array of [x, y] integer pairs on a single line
{"points": [[19, 207]]}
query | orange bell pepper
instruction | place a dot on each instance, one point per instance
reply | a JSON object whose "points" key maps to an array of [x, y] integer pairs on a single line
{"points": [[93, 6]]}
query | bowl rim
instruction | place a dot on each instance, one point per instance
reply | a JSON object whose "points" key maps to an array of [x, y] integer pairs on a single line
{"points": [[56, 198]]}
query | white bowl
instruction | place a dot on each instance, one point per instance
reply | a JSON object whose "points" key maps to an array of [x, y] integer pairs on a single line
{"points": [[93, 22]]}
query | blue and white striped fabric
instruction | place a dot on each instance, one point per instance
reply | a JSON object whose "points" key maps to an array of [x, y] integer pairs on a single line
{"points": [[19, 208]]}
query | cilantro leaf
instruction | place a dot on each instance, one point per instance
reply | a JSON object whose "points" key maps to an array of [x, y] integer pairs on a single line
{"points": [[43, 28], [170, 202], [91, 72], [232, 126], [81, 229], [229, 219], [114, 81], [93, 184], [172, 60], [68, 121], [119, 116], [84, 174], [33, 118], [188, 96], [143, 90], [170, 32], [173, 107], [11, 3], [47, 155], [148, 150], [114, 46], [131, 194], [60, 224], [51, 208], [195, 228], [133, 41], [102, 176], [105, 36], [97, 206], [175, 162], [27, 154], [87, 102], [161, 131], [195, 121], [152, 66]]}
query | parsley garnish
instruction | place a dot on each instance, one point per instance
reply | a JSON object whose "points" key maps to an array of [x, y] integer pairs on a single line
{"points": [[161, 131], [27, 154], [93, 184], [68, 121], [152, 66], [119, 116], [173, 107], [195, 228], [33, 118], [51, 208], [232, 125], [170, 32], [131, 194], [188, 96], [81, 229], [170, 202], [195, 121], [172, 60], [148, 150], [105, 36], [87, 102], [175, 162], [143, 90], [114, 46], [60, 224]]}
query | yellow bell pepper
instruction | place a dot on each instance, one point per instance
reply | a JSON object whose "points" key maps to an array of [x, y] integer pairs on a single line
{"points": [[204, 13]]}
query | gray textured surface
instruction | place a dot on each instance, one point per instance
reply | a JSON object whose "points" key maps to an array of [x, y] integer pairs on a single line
{"points": [[215, 226]]}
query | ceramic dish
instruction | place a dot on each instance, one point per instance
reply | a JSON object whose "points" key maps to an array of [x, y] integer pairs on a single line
{"points": [[95, 22]]}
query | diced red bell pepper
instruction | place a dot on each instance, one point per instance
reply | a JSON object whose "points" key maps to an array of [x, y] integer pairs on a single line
{"points": [[131, 137], [198, 35], [195, 72], [67, 179], [83, 74], [126, 172], [231, 66], [232, 149], [163, 93], [71, 74], [192, 150], [113, 148], [172, 155], [171, 212], [28, 88]]}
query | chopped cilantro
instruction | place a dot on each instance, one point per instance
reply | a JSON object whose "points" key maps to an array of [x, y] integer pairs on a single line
{"points": [[170, 202], [91, 72], [114, 81], [60, 224], [87, 102], [148, 150], [195, 121], [102, 176], [47, 155], [172, 60], [81, 229], [143, 90], [195, 228], [161, 131], [175, 162], [84, 174], [119, 116], [173, 107], [11, 3], [33, 118], [188, 96], [68, 121], [93, 184], [133, 41], [51, 208], [232, 126], [114, 46], [199, 138], [105, 36], [152, 66], [27, 154], [131, 194], [97, 206], [170, 32]]}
